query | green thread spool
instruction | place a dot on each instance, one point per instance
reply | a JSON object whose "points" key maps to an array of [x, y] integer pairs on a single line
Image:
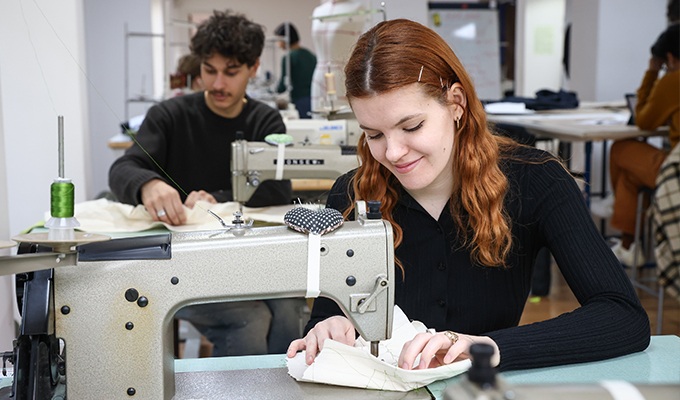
{"points": [[62, 199]]}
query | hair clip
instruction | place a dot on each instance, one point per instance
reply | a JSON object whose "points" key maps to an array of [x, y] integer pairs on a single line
{"points": [[441, 82], [420, 75]]}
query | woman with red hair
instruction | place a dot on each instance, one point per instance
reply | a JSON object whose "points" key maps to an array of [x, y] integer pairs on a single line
{"points": [[470, 210]]}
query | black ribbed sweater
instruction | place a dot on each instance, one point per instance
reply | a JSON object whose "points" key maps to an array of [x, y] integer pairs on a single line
{"points": [[192, 144], [445, 290]]}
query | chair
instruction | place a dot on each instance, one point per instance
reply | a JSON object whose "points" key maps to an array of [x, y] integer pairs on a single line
{"points": [[666, 219], [644, 239]]}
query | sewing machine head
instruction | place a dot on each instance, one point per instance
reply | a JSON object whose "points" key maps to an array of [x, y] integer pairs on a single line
{"points": [[255, 162], [113, 302], [317, 131]]}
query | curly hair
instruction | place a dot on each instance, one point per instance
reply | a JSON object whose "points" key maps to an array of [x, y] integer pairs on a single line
{"points": [[397, 53], [230, 34]]}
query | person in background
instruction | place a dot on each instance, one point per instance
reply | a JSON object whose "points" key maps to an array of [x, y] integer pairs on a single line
{"points": [[635, 164], [188, 74], [673, 12], [336, 26], [302, 64], [182, 154], [470, 210]]}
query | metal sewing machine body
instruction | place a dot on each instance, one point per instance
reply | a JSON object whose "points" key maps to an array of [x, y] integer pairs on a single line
{"points": [[113, 305], [255, 162]]}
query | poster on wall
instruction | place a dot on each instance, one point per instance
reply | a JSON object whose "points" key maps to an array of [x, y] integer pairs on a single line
{"points": [[473, 35]]}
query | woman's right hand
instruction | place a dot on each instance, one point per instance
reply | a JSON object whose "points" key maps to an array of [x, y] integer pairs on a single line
{"points": [[337, 328]]}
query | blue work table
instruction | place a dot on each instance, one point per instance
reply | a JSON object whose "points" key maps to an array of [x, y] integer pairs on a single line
{"points": [[658, 364]]}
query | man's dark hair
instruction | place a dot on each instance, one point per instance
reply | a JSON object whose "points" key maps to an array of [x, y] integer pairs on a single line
{"points": [[189, 64], [292, 32], [230, 34], [673, 11], [668, 42]]}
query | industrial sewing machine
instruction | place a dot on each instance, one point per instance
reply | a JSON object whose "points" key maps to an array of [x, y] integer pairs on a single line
{"points": [[325, 131], [97, 318], [255, 162]]}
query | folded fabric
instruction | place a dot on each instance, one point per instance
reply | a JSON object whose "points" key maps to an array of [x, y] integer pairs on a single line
{"points": [[108, 216], [343, 365]]}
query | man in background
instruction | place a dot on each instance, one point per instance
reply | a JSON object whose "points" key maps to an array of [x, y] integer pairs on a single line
{"points": [[302, 65], [182, 154]]}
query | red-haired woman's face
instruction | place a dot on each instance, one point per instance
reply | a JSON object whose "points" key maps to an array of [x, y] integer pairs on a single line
{"points": [[411, 135]]}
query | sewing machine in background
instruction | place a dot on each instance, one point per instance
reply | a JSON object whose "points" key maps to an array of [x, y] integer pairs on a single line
{"points": [[97, 321], [254, 162], [341, 132]]}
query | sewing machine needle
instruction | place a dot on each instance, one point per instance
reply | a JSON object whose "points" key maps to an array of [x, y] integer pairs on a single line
{"points": [[374, 348]]}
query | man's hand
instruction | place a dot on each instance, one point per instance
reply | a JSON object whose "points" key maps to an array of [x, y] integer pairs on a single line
{"points": [[163, 202], [656, 63], [196, 196]]}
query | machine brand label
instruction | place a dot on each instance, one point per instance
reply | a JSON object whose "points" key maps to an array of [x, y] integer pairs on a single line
{"points": [[302, 161], [332, 128]]}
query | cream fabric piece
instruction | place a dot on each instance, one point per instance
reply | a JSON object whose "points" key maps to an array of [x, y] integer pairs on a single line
{"points": [[343, 365], [108, 216]]}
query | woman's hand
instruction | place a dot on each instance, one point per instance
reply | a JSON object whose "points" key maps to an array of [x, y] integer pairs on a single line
{"points": [[440, 348], [337, 328]]}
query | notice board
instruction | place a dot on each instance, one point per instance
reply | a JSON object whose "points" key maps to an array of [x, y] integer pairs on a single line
{"points": [[473, 35]]}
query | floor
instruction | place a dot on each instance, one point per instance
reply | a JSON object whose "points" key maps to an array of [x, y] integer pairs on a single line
{"points": [[561, 300]]}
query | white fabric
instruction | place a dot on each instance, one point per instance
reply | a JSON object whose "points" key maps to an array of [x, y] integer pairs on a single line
{"points": [[343, 365], [313, 265], [107, 216]]}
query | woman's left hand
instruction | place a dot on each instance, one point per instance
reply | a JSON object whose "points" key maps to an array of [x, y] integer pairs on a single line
{"points": [[440, 348]]}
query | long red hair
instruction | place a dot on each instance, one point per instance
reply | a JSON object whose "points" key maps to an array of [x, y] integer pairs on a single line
{"points": [[397, 53]]}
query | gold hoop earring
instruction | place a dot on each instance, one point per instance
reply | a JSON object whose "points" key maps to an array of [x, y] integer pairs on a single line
{"points": [[458, 123]]}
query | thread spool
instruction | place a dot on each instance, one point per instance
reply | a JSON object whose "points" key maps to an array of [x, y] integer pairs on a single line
{"points": [[62, 195], [62, 198], [61, 225], [330, 83]]}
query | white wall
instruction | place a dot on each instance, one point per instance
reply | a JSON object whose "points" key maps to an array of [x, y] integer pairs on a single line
{"points": [[7, 333], [41, 63], [610, 45], [539, 46], [105, 40]]}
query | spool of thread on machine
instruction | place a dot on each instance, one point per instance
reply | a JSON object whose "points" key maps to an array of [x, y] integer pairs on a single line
{"points": [[330, 89], [62, 194], [330, 83]]}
